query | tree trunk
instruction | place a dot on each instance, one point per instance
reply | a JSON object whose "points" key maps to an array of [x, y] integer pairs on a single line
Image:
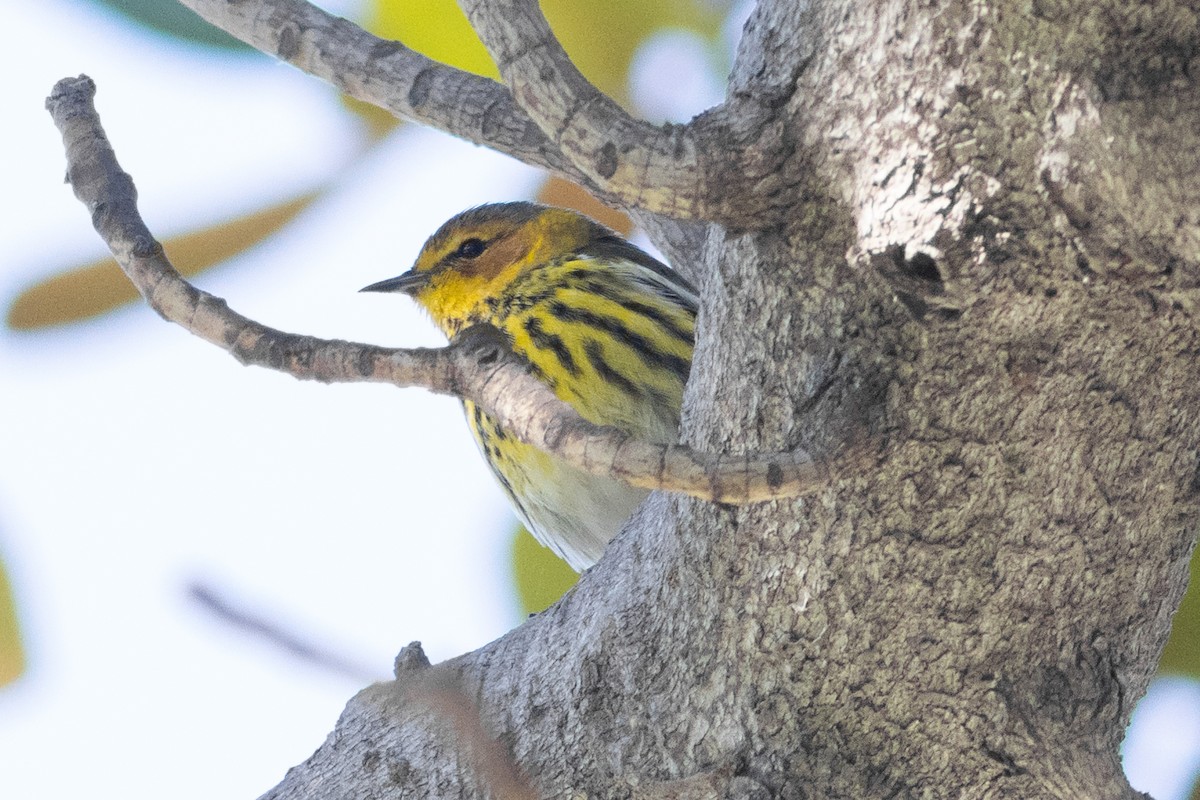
{"points": [[973, 243]]}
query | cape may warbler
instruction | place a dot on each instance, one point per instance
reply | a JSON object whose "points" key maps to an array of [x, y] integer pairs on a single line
{"points": [[605, 325]]}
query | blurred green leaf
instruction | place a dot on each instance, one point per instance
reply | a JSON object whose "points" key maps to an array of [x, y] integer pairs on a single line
{"points": [[12, 654], [435, 28], [1181, 656], [169, 17], [541, 577], [96, 288]]}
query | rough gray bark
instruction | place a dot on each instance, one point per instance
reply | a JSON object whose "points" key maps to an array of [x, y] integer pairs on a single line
{"points": [[982, 252]]}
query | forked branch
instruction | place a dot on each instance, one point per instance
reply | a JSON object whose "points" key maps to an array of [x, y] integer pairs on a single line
{"points": [[653, 168], [478, 365], [724, 166], [549, 115]]}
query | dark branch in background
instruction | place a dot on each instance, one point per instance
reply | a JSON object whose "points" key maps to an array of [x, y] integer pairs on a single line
{"points": [[259, 626], [477, 366]]}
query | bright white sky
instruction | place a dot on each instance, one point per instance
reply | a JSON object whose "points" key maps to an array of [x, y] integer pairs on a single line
{"points": [[135, 459]]}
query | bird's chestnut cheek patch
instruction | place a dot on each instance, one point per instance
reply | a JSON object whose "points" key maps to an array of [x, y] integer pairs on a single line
{"points": [[500, 255]]}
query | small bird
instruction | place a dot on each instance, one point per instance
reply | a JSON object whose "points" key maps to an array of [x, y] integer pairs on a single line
{"points": [[606, 326]]}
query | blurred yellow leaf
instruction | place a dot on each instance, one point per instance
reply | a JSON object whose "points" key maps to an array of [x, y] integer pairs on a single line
{"points": [[600, 37], [541, 577], [435, 28], [12, 654], [379, 123], [96, 288]]}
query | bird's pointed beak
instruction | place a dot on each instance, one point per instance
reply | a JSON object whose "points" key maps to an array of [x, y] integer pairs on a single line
{"points": [[410, 283]]}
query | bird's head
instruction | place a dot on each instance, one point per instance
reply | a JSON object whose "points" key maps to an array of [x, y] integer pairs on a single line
{"points": [[474, 256]]}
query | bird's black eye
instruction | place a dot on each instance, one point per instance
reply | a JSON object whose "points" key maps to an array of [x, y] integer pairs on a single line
{"points": [[470, 248]]}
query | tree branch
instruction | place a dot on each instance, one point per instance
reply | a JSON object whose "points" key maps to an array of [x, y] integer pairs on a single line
{"points": [[649, 167], [477, 366], [389, 75], [681, 171], [563, 124]]}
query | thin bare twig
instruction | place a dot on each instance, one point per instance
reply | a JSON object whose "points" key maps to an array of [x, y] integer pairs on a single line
{"points": [[260, 626], [478, 366]]}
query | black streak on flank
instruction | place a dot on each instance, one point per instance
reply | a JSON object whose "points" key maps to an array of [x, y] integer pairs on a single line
{"points": [[552, 342], [659, 317], [595, 357], [506, 485], [488, 432], [588, 282], [645, 349]]}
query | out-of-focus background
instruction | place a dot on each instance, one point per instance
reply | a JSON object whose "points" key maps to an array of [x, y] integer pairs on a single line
{"points": [[199, 562]]}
